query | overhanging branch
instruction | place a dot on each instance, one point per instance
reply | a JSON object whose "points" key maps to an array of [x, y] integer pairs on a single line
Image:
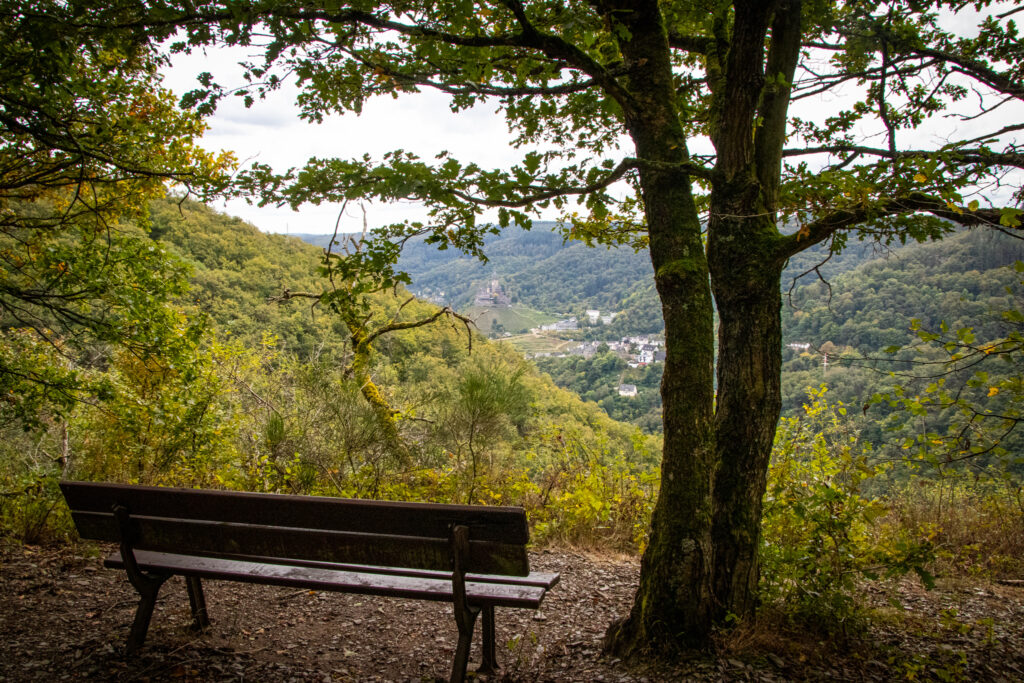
{"points": [[975, 155], [822, 228], [613, 176]]}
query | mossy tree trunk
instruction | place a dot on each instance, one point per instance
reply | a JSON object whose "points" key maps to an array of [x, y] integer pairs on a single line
{"points": [[748, 402], [701, 563], [360, 371], [747, 253], [674, 602]]}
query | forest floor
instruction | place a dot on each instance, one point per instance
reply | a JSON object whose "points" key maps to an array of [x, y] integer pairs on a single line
{"points": [[64, 617]]}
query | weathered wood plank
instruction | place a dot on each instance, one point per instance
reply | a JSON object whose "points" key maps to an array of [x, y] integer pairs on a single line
{"points": [[288, 543], [317, 578], [546, 580], [486, 523]]}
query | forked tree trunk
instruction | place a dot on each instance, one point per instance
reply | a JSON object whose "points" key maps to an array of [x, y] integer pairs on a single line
{"points": [[702, 560]]}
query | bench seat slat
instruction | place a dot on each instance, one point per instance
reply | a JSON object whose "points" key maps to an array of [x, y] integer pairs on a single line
{"points": [[546, 580], [320, 578]]}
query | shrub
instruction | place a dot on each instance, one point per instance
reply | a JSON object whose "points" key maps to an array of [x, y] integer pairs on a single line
{"points": [[977, 522], [823, 533]]}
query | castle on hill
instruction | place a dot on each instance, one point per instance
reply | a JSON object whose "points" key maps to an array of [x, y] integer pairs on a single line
{"points": [[492, 296]]}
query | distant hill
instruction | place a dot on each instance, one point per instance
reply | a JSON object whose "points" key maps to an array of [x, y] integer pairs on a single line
{"points": [[535, 268], [540, 271], [960, 281]]}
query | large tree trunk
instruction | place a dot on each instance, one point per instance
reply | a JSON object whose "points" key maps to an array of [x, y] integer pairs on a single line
{"points": [[702, 561], [673, 607], [746, 261]]}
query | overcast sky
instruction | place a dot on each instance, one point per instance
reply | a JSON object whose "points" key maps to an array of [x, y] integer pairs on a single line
{"points": [[271, 132]]}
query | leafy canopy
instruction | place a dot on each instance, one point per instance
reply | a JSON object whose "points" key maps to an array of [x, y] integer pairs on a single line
{"points": [[88, 138], [559, 75]]}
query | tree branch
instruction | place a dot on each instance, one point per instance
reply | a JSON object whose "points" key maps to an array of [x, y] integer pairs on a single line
{"points": [[613, 176], [412, 324], [973, 68], [555, 47], [686, 43], [460, 88], [979, 155], [821, 229], [781, 66]]}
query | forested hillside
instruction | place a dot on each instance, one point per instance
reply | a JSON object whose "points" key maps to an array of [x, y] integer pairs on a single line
{"points": [[236, 269], [263, 397], [961, 280], [536, 267], [916, 298], [540, 269], [852, 305]]}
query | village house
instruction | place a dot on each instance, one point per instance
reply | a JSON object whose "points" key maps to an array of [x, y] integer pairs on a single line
{"points": [[646, 355]]}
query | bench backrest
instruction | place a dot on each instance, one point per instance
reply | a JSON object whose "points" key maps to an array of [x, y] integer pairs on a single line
{"points": [[271, 526]]}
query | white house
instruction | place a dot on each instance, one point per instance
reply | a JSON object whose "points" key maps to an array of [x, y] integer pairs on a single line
{"points": [[647, 352], [567, 324], [627, 390]]}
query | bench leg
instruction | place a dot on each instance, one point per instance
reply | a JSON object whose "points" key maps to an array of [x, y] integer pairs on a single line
{"points": [[489, 663], [200, 617], [461, 662], [147, 601]]}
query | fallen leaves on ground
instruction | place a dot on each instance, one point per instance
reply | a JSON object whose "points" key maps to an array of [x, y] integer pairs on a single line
{"points": [[65, 617]]}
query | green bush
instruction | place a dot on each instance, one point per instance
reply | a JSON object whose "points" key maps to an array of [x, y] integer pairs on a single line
{"points": [[823, 532]]}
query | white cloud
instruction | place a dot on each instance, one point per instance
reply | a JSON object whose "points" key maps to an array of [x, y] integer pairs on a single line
{"points": [[271, 132]]}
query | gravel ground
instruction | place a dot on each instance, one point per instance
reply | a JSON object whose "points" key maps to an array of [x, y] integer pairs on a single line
{"points": [[64, 617]]}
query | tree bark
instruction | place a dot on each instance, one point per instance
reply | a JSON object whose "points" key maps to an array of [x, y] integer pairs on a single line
{"points": [[746, 277], [359, 370], [673, 606], [702, 562], [746, 258]]}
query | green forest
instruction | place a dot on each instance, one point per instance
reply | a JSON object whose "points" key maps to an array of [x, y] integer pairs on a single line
{"points": [[866, 300], [834, 422], [258, 399]]}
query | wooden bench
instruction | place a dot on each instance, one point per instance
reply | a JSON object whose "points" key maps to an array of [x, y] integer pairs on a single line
{"points": [[472, 556]]}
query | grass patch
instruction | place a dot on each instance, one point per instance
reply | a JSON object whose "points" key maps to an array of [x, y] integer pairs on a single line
{"points": [[514, 319]]}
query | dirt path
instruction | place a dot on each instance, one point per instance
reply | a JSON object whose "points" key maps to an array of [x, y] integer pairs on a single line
{"points": [[64, 617]]}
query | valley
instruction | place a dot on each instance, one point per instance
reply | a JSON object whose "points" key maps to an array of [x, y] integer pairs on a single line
{"points": [[571, 309]]}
